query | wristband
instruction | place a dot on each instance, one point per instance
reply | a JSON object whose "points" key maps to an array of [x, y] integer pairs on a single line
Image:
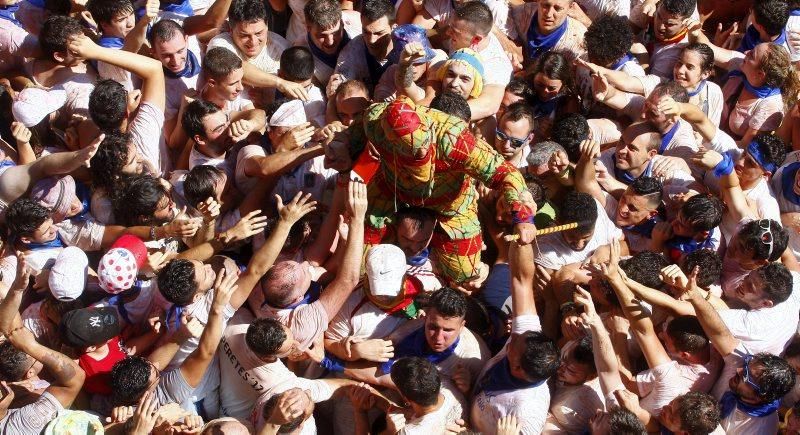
{"points": [[332, 364], [152, 233], [725, 167], [522, 215]]}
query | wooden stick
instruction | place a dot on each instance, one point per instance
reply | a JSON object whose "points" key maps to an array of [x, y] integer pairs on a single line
{"points": [[543, 231]]}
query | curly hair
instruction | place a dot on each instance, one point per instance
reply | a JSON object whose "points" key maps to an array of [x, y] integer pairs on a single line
{"points": [[129, 380], [112, 155], [698, 412], [607, 39], [777, 376], [176, 282], [780, 73]]}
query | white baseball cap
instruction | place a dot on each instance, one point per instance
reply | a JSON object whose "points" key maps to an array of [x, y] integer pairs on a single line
{"points": [[33, 104], [289, 114], [67, 277], [386, 267]]}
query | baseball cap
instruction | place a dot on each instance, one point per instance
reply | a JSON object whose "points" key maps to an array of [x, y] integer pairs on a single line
{"points": [[135, 246], [89, 326], [69, 422], [33, 104], [55, 193], [386, 267], [67, 277], [408, 33]]}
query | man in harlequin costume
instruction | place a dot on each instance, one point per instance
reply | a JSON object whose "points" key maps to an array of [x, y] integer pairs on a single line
{"points": [[431, 159]]}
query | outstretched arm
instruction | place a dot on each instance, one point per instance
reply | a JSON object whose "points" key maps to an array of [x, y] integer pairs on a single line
{"points": [[520, 261], [718, 334], [604, 357], [692, 114], [585, 176], [731, 191], [214, 18], [265, 257]]}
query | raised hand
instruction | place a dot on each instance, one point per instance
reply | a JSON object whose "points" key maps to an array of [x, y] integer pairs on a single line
{"points": [[706, 158], [672, 275], [250, 225], [146, 416], [649, 7], [21, 133], [356, 199], [240, 129], [508, 425], [377, 350], [151, 9], [300, 206], [293, 90], [210, 209], [361, 396], [589, 149], [224, 287], [296, 137], [84, 155], [23, 274], [670, 108], [81, 46], [411, 53], [583, 299]]}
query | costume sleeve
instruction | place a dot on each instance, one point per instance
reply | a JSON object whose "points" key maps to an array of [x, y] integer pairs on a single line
{"points": [[479, 160]]}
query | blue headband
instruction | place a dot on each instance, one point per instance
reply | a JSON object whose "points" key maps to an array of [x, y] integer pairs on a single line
{"points": [[470, 59], [755, 153]]}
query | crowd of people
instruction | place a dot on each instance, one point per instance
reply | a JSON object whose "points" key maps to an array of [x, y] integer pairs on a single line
{"points": [[420, 217]]}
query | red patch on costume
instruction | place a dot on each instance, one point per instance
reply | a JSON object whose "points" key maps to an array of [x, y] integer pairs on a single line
{"points": [[463, 147], [403, 119]]}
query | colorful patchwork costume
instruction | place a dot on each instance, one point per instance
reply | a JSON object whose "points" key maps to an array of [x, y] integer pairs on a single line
{"points": [[429, 159]]}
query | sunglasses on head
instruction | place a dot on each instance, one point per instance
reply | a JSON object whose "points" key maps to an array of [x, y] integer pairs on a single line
{"points": [[765, 225], [746, 377]]}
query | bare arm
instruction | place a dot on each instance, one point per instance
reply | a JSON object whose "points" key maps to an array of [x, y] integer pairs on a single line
{"points": [[338, 291], [604, 357], [719, 334], [278, 163], [488, 103], [585, 177], [522, 273], [214, 18]]}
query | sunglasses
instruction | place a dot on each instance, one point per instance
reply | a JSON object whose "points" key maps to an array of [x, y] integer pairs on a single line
{"points": [[515, 142], [746, 377], [766, 234]]}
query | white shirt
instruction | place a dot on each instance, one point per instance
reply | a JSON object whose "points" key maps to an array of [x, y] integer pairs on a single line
{"points": [[442, 12], [360, 318], [785, 205], [793, 25], [352, 63], [352, 27], [497, 68], [436, 422], [530, 405]]}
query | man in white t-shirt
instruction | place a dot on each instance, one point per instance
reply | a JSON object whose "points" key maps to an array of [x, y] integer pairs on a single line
{"points": [[751, 386], [471, 27], [513, 382], [329, 31], [366, 57]]}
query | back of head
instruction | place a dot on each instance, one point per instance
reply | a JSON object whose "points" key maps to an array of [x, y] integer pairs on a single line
{"points": [[477, 14], [193, 116], [324, 14], [55, 33], [541, 152], [578, 207], [537, 190], [129, 380], [165, 30], [104, 11], [265, 337], [709, 265], [137, 199], [540, 357], [649, 187], [771, 150], [108, 105], [778, 282], [374, 10], [608, 39], [219, 62], [772, 15], [176, 282], [279, 283], [520, 87], [449, 302], [765, 238], [777, 376], [569, 131], [698, 412], [200, 184], [687, 334], [645, 268], [227, 426], [681, 8], [297, 64], [625, 422], [417, 216], [452, 104], [247, 11], [703, 212], [417, 379], [671, 89], [14, 363], [111, 157]]}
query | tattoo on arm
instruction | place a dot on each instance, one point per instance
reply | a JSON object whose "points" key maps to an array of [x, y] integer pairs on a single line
{"points": [[59, 365], [407, 75]]}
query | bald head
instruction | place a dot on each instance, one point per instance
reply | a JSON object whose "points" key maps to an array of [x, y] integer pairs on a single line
{"points": [[283, 283], [226, 426], [643, 133]]}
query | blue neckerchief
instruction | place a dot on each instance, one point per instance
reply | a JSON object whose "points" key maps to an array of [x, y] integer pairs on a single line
{"points": [[174, 314], [622, 61], [420, 259], [191, 69], [328, 59], [537, 43], [38, 3], [755, 153], [375, 68], [116, 300], [625, 176], [699, 89], [787, 181], [762, 91], [85, 195], [415, 344], [665, 431], [730, 402], [55, 243], [111, 42], [9, 13], [183, 8], [499, 378], [543, 109], [645, 228], [751, 39], [667, 138], [794, 13], [311, 296], [687, 245], [7, 163]]}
